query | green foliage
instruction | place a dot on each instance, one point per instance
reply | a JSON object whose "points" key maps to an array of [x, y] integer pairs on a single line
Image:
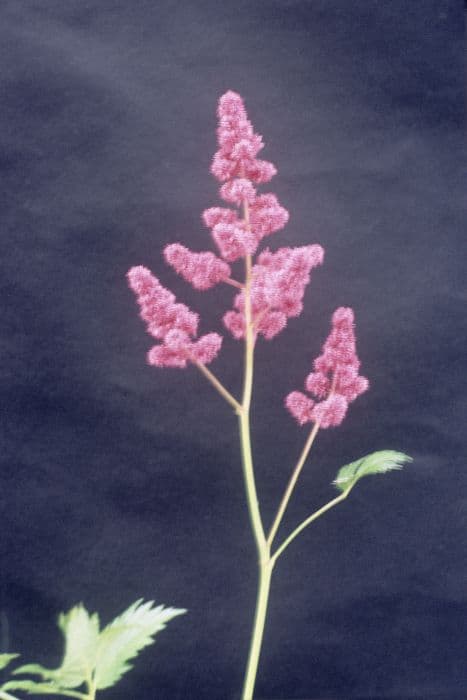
{"points": [[36, 688], [6, 658], [375, 463], [92, 658], [123, 638]]}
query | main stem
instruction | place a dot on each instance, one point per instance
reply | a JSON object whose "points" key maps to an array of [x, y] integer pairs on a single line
{"points": [[265, 572], [263, 550]]}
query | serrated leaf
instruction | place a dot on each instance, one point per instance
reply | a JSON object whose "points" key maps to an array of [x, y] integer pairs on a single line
{"points": [[6, 658], [125, 637], [375, 463], [81, 632]]}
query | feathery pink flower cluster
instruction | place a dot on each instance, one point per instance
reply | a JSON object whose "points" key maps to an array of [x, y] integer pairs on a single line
{"points": [[277, 282], [277, 287], [335, 379], [236, 164], [170, 322], [238, 144]]}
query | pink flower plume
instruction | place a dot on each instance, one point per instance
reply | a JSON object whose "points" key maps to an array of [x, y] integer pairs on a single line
{"points": [[335, 379], [238, 144], [237, 166], [202, 270], [278, 284], [172, 323]]}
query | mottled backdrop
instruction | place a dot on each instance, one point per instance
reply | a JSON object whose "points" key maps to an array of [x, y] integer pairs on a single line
{"points": [[120, 481]]}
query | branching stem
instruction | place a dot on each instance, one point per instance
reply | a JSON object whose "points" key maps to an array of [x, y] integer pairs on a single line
{"points": [[307, 521]]}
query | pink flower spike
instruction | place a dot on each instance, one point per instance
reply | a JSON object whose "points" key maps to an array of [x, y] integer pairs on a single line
{"points": [[278, 284], [238, 144], [158, 307], [202, 270], [336, 380], [230, 105], [300, 406], [174, 324], [339, 357]]}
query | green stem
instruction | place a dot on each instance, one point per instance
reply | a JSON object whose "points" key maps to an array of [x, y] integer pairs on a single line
{"points": [[219, 386], [265, 572], [263, 550], [292, 482], [244, 422], [249, 476], [310, 519]]}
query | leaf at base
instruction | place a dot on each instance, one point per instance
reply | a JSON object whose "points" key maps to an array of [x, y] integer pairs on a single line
{"points": [[124, 638], [81, 632]]}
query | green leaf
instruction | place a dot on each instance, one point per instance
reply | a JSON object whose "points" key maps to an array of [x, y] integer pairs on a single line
{"points": [[6, 658], [81, 632], [124, 638], [33, 687], [375, 463], [93, 658]]}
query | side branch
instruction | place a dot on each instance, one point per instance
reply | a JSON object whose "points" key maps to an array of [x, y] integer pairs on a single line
{"points": [[233, 283], [307, 522], [292, 482], [219, 387]]}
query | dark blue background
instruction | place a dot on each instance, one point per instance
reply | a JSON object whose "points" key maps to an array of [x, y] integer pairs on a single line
{"points": [[121, 481]]}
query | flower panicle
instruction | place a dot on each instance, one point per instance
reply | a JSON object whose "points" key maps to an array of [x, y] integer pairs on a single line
{"points": [[278, 284], [335, 381], [236, 165], [238, 144], [170, 322], [278, 279]]}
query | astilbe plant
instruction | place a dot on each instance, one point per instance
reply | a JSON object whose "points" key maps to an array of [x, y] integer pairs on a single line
{"points": [[270, 293]]}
